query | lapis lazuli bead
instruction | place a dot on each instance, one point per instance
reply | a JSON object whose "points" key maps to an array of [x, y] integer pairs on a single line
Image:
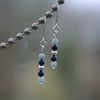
{"points": [[55, 41], [41, 73], [41, 62], [54, 47], [41, 56], [40, 80], [53, 58], [53, 64]]}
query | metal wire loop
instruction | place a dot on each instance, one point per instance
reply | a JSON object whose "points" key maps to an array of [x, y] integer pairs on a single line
{"points": [[56, 28], [43, 43]]}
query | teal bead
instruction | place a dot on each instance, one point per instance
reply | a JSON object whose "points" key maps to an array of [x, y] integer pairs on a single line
{"points": [[53, 64], [41, 56], [40, 80], [55, 41]]}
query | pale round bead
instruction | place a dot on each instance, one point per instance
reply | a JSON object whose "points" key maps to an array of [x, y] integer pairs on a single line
{"points": [[41, 67], [54, 52], [53, 64], [3, 45], [41, 56], [35, 26], [41, 80], [42, 20], [49, 14], [55, 41], [55, 7], [11, 40], [19, 35], [27, 31]]}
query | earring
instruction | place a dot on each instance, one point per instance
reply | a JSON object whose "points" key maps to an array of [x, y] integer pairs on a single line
{"points": [[55, 41], [41, 63]]}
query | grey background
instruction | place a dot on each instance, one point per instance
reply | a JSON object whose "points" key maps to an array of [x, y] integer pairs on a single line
{"points": [[77, 75]]}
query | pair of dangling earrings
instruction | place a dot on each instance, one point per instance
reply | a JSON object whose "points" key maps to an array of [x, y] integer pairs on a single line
{"points": [[43, 43]]}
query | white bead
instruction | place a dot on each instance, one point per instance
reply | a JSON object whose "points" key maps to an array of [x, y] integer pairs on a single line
{"points": [[19, 35], [27, 30], [35, 26], [55, 7], [11, 40], [54, 52], [41, 67], [48, 14], [3, 44], [42, 20]]}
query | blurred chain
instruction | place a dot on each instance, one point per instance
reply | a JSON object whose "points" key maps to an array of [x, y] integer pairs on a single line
{"points": [[35, 26]]}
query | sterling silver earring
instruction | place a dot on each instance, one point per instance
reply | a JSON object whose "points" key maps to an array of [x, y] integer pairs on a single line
{"points": [[43, 43], [55, 41]]}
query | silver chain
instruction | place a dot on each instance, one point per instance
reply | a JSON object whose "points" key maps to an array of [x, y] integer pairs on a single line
{"points": [[35, 26]]}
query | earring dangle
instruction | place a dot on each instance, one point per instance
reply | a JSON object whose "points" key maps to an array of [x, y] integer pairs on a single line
{"points": [[55, 41], [43, 43]]}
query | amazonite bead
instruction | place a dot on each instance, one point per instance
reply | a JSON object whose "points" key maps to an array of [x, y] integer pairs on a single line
{"points": [[53, 64], [40, 80], [55, 41], [42, 56]]}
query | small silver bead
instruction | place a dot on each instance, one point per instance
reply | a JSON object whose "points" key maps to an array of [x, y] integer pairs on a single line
{"points": [[19, 36], [54, 52], [35, 26], [49, 14], [41, 67], [42, 20], [27, 31], [11, 40], [55, 7], [3, 45]]}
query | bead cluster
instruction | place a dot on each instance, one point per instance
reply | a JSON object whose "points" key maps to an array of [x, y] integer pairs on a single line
{"points": [[41, 68], [54, 52]]}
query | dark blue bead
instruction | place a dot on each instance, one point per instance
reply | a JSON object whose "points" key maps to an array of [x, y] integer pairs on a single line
{"points": [[41, 73], [41, 62], [54, 47], [53, 58]]}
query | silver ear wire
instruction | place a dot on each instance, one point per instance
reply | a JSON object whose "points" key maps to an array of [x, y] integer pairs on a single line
{"points": [[43, 43]]}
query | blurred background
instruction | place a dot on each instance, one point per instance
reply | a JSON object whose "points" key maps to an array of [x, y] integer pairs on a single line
{"points": [[78, 74]]}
